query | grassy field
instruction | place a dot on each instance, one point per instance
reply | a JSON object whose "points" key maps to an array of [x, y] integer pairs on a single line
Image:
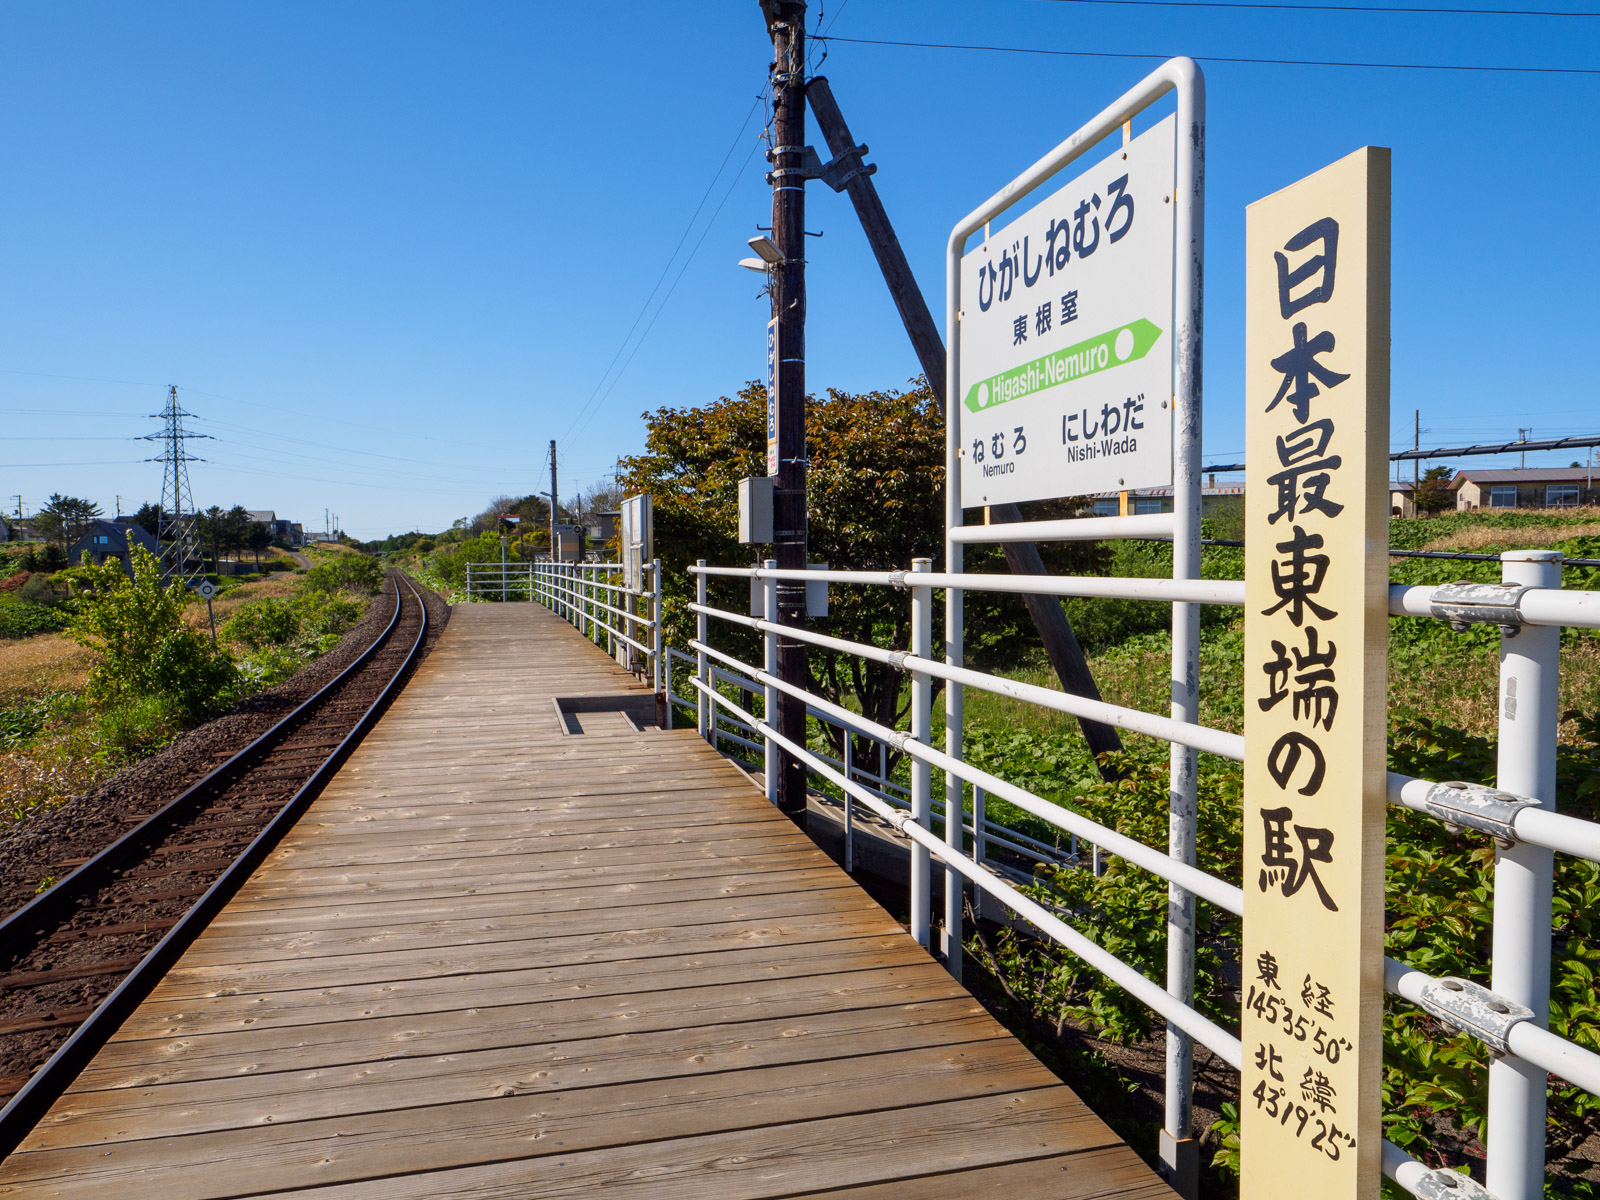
{"points": [[54, 746]]}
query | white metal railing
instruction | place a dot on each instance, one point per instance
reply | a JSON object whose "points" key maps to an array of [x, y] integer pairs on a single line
{"points": [[1510, 1016], [500, 581], [861, 745], [594, 598]]}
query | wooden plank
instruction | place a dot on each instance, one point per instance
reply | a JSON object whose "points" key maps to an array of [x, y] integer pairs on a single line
{"points": [[463, 1029], [777, 1160], [135, 1103], [300, 943], [627, 945], [1090, 1175], [214, 1010], [431, 1137], [400, 912], [377, 888], [500, 960]]}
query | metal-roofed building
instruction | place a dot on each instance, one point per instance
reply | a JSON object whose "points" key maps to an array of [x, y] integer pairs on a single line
{"points": [[1528, 487]]}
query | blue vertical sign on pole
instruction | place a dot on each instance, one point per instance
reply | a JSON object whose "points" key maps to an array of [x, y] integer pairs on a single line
{"points": [[772, 396]]}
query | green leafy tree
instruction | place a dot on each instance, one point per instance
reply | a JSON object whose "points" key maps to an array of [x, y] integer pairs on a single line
{"points": [[147, 650], [258, 539], [64, 519], [1433, 494], [351, 572], [148, 517], [236, 529], [876, 501]]}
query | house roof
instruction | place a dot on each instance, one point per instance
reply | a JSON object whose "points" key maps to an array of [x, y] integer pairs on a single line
{"points": [[265, 515], [119, 533], [1401, 485], [1527, 475]]}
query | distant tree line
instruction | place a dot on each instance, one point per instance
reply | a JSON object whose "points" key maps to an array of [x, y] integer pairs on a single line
{"points": [[221, 532]]}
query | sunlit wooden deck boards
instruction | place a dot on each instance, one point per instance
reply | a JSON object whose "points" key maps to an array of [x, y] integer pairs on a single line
{"points": [[494, 960]]}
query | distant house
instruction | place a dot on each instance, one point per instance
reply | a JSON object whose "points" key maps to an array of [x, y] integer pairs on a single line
{"points": [[1159, 500], [1531, 487], [1402, 501], [262, 516], [296, 535], [112, 539]]}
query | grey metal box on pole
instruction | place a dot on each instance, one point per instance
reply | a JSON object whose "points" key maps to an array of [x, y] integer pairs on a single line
{"points": [[755, 510]]}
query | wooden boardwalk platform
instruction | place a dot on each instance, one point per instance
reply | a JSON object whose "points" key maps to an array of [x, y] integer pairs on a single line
{"points": [[497, 959]]}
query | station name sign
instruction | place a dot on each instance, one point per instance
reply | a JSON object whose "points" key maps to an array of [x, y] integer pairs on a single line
{"points": [[1065, 336]]}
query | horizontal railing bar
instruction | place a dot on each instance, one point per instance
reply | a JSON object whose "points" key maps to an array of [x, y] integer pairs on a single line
{"points": [[1538, 1046], [1536, 826], [1194, 591], [1211, 741], [577, 597], [1536, 606], [1548, 1051], [1194, 1023], [1415, 1176], [1218, 892], [1072, 529]]}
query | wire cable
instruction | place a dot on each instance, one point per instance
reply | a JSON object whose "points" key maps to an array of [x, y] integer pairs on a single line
{"points": [[667, 267], [1218, 58], [662, 306], [1350, 8]]}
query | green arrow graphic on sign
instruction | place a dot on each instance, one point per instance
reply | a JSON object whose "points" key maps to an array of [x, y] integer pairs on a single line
{"points": [[1124, 344]]}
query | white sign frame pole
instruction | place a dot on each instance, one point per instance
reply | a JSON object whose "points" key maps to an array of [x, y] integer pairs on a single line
{"points": [[1183, 76]]}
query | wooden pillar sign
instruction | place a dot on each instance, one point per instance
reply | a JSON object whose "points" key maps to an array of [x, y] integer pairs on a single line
{"points": [[1315, 669]]}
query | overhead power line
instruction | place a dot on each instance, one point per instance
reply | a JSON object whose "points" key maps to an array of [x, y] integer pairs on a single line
{"points": [[1219, 58], [1350, 8], [660, 308], [595, 396], [1562, 443]]}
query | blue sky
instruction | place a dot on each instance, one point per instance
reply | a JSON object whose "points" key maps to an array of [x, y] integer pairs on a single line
{"points": [[388, 251]]}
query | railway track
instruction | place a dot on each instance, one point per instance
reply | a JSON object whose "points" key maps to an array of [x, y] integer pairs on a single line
{"points": [[78, 958]]}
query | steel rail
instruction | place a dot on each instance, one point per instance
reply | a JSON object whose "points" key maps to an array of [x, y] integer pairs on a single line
{"points": [[47, 1084], [48, 904]]}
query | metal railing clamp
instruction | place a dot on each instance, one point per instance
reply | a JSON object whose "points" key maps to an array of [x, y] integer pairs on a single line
{"points": [[898, 579], [1474, 1009], [1450, 1185], [1474, 806], [897, 660], [1465, 603]]}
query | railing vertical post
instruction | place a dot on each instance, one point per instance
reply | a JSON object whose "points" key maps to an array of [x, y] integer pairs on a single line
{"points": [[657, 638], [980, 841], [1520, 961], [702, 623], [849, 806], [921, 777], [769, 609]]}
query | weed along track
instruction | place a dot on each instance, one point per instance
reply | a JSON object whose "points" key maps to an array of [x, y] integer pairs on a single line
{"points": [[76, 959]]}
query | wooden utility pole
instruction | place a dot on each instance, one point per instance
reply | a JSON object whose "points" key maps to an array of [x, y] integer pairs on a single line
{"points": [[554, 492], [786, 24], [847, 171]]}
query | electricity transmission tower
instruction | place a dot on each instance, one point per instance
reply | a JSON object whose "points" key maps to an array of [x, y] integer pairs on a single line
{"points": [[181, 560]]}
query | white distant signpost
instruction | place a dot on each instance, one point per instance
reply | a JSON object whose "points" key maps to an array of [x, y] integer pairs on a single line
{"points": [[1066, 336]]}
